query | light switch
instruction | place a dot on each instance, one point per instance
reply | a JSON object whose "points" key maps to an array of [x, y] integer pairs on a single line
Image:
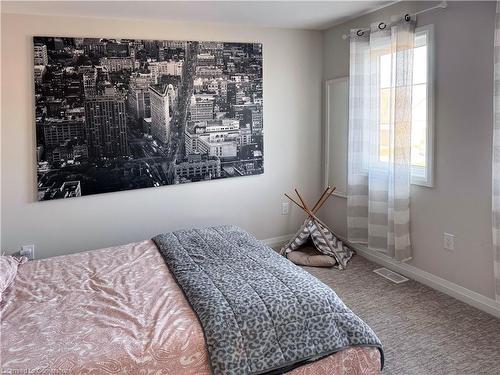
{"points": [[285, 208], [449, 241], [28, 251]]}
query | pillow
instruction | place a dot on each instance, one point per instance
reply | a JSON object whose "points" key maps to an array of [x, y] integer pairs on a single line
{"points": [[309, 256], [8, 271]]}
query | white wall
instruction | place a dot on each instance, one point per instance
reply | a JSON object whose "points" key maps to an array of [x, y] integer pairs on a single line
{"points": [[292, 123], [460, 201]]}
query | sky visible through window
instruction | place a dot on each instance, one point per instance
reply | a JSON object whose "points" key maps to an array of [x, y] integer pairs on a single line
{"points": [[419, 105]]}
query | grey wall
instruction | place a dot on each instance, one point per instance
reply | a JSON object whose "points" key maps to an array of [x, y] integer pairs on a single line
{"points": [[294, 64], [460, 201], [292, 123]]}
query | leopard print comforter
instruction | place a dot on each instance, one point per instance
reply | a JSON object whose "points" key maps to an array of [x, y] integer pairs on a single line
{"points": [[259, 312]]}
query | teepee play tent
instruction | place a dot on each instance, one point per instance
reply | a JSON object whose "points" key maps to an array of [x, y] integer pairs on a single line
{"points": [[317, 232]]}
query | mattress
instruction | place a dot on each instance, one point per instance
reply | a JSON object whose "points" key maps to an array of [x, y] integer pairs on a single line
{"points": [[118, 310]]}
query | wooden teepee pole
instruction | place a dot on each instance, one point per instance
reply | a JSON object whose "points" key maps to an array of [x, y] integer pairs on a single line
{"points": [[320, 198], [321, 203], [294, 201], [324, 197], [306, 209]]}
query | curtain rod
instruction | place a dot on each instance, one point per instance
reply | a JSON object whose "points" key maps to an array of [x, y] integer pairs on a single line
{"points": [[441, 5]]}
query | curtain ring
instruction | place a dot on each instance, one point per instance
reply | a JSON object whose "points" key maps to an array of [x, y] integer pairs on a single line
{"points": [[407, 17], [360, 32], [382, 25]]}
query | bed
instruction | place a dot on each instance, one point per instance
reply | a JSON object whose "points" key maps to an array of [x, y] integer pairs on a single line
{"points": [[121, 311]]}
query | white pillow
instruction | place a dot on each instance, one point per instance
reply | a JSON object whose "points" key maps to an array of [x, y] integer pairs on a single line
{"points": [[8, 271]]}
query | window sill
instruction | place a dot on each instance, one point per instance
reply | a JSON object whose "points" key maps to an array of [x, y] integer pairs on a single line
{"points": [[421, 182]]}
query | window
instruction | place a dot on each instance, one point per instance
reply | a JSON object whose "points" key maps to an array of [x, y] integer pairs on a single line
{"points": [[422, 112]]}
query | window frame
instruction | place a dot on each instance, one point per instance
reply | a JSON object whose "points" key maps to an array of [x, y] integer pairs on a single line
{"points": [[424, 176]]}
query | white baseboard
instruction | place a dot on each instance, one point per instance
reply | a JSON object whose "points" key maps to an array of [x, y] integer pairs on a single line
{"points": [[488, 305], [277, 241], [468, 296]]}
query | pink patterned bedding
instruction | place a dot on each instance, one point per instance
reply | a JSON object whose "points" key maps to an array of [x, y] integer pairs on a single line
{"points": [[117, 310]]}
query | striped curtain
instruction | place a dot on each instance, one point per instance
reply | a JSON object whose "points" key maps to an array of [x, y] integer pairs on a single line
{"points": [[379, 149], [496, 159]]}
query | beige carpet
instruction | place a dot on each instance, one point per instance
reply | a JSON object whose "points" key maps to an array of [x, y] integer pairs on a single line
{"points": [[423, 331]]}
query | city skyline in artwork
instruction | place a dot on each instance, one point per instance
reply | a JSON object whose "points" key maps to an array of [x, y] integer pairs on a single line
{"points": [[122, 114]]}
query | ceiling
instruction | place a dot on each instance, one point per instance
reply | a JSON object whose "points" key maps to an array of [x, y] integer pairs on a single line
{"points": [[311, 15]]}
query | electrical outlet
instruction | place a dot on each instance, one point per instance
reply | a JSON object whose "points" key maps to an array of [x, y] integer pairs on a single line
{"points": [[28, 251], [449, 241], [285, 208]]}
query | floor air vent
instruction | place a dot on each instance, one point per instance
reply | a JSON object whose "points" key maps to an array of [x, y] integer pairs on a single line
{"points": [[390, 275]]}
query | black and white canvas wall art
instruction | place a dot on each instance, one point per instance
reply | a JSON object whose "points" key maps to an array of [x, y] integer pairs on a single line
{"points": [[120, 114]]}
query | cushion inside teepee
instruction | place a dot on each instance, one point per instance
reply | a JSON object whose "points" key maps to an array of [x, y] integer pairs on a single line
{"points": [[309, 256]]}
